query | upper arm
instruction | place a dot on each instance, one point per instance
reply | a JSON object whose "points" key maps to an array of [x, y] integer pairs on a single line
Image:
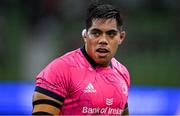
{"points": [[51, 89], [46, 102]]}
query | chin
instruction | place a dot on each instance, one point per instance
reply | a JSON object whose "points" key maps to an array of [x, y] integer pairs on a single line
{"points": [[103, 62]]}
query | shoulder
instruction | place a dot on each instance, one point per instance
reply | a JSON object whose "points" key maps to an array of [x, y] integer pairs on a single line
{"points": [[58, 70], [67, 61], [122, 70]]}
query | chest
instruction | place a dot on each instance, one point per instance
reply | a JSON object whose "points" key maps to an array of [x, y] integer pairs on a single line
{"points": [[98, 88]]}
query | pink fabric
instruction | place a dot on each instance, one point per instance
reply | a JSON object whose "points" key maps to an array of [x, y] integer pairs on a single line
{"points": [[86, 90]]}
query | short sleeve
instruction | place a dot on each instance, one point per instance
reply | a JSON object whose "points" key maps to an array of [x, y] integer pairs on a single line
{"points": [[54, 78], [122, 70], [126, 75]]}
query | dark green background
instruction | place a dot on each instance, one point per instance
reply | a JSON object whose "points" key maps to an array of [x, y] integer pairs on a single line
{"points": [[34, 32]]}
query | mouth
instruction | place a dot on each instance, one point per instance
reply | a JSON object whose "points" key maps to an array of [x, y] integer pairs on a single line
{"points": [[102, 52]]}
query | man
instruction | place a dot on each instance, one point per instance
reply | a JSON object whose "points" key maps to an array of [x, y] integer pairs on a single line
{"points": [[88, 80]]}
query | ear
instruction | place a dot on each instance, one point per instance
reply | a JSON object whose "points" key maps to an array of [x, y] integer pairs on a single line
{"points": [[84, 32], [122, 37]]}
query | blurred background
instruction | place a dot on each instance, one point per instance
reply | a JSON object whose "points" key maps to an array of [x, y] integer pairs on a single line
{"points": [[34, 32]]}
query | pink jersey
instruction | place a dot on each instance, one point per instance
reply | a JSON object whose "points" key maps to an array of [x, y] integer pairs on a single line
{"points": [[84, 87]]}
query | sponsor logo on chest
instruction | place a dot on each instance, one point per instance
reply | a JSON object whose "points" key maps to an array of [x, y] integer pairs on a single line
{"points": [[103, 110]]}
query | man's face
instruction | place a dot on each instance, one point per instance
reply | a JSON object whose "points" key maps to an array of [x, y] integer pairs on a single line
{"points": [[102, 40]]}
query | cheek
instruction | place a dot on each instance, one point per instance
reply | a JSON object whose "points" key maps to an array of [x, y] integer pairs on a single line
{"points": [[90, 44], [90, 47], [114, 46]]}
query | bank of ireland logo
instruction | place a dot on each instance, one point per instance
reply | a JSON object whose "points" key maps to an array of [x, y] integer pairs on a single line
{"points": [[109, 102]]}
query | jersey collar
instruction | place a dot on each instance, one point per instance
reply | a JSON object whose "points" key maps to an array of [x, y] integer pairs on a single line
{"points": [[89, 59]]}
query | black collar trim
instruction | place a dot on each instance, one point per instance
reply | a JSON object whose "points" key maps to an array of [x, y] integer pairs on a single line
{"points": [[90, 60]]}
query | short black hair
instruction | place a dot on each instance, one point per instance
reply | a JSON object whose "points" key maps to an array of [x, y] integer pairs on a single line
{"points": [[102, 11]]}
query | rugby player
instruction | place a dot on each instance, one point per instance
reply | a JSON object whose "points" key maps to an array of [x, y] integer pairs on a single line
{"points": [[87, 80]]}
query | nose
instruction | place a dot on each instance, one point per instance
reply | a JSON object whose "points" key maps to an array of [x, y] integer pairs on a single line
{"points": [[103, 40]]}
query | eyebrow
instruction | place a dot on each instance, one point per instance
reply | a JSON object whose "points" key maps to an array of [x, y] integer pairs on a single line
{"points": [[112, 30], [95, 29]]}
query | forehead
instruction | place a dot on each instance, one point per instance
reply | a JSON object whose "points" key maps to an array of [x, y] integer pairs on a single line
{"points": [[104, 24]]}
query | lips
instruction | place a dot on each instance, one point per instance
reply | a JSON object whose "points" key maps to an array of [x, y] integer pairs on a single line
{"points": [[102, 52]]}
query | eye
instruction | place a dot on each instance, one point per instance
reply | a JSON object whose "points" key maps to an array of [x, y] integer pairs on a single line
{"points": [[111, 34], [95, 33]]}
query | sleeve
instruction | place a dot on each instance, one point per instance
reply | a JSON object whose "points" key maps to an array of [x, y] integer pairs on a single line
{"points": [[126, 75], [122, 70], [53, 80]]}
